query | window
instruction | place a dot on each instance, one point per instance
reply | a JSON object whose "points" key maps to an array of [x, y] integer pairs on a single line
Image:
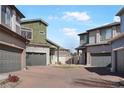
{"points": [[92, 37], [26, 34], [18, 29], [6, 15], [23, 33], [83, 39], [106, 34], [18, 18]]}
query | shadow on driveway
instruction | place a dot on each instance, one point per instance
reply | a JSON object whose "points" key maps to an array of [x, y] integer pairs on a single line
{"points": [[104, 71]]}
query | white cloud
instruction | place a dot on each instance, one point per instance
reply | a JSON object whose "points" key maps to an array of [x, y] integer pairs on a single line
{"points": [[116, 19], [70, 32], [80, 16], [52, 17]]}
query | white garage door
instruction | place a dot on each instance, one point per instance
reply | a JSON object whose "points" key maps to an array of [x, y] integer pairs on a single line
{"points": [[101, 59]]}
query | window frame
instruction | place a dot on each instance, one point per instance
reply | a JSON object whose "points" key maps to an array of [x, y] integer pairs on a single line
{"points": [[105, 31], [6, 13], [26, 33]]}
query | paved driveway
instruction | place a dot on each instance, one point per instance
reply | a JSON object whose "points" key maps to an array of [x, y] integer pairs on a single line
{"points": [[64, 77]]}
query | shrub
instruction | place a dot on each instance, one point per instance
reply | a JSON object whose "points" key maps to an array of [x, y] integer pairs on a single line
{"points": [[12, 78]]}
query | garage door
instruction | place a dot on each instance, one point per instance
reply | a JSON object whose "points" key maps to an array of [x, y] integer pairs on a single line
{"points": [[120, 61], [35, 59], [10, 59], [101, 59]]}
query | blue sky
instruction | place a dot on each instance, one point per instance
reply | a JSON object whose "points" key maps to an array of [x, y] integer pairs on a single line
{"points": [[65, 22]]}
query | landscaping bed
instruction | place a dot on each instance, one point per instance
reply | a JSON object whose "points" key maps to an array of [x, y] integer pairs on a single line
{"points": [[11, 82]]}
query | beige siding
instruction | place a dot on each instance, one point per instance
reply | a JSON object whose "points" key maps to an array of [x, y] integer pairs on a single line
{"points": [[5, 37]]}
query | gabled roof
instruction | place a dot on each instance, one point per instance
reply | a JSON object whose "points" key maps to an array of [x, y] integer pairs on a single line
{"points": [[105, 26], [18, 12], [34, 20], [53, 43], [120, 12]]}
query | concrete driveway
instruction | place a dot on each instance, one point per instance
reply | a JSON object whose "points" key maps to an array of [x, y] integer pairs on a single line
{"points": [[64, 77]]}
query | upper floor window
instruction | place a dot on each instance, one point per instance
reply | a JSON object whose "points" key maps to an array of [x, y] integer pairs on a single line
{"points": [[92, 37], [106, 34], [83, 39], [18, 29], [26, 34], [6, 15], [18, 19]]}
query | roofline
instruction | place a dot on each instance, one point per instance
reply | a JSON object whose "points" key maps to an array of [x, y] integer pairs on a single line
{"points": [[104, 26], [98, 44], [83, 33], [34, 20], [14, 7], [52, 42], [22, 27], [120, 12]]}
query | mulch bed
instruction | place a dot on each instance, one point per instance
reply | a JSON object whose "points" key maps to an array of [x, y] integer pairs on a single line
{"points": [[6, 84]]}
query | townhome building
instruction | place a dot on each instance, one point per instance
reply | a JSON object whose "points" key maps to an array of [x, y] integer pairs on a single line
{"points": [[12, 44], [117, 44], [94, 49], [40, 50]]}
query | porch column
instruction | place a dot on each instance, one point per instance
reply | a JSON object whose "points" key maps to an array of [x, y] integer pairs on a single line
{"points": [[58, 55], [88, 58], [23, 59]]}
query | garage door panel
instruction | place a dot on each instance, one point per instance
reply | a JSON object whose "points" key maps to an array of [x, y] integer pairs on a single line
{"points": [[100, 59], [35, 59], [10, 59]]}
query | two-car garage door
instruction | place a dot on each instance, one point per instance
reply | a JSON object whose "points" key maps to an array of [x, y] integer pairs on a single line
{"points": [[35, 59], [10, 59], [101, 59]]}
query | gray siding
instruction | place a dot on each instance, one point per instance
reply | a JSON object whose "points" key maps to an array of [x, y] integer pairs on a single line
{"points": [[99, 49], [117, 59], [122, 23], [118, 43]]}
